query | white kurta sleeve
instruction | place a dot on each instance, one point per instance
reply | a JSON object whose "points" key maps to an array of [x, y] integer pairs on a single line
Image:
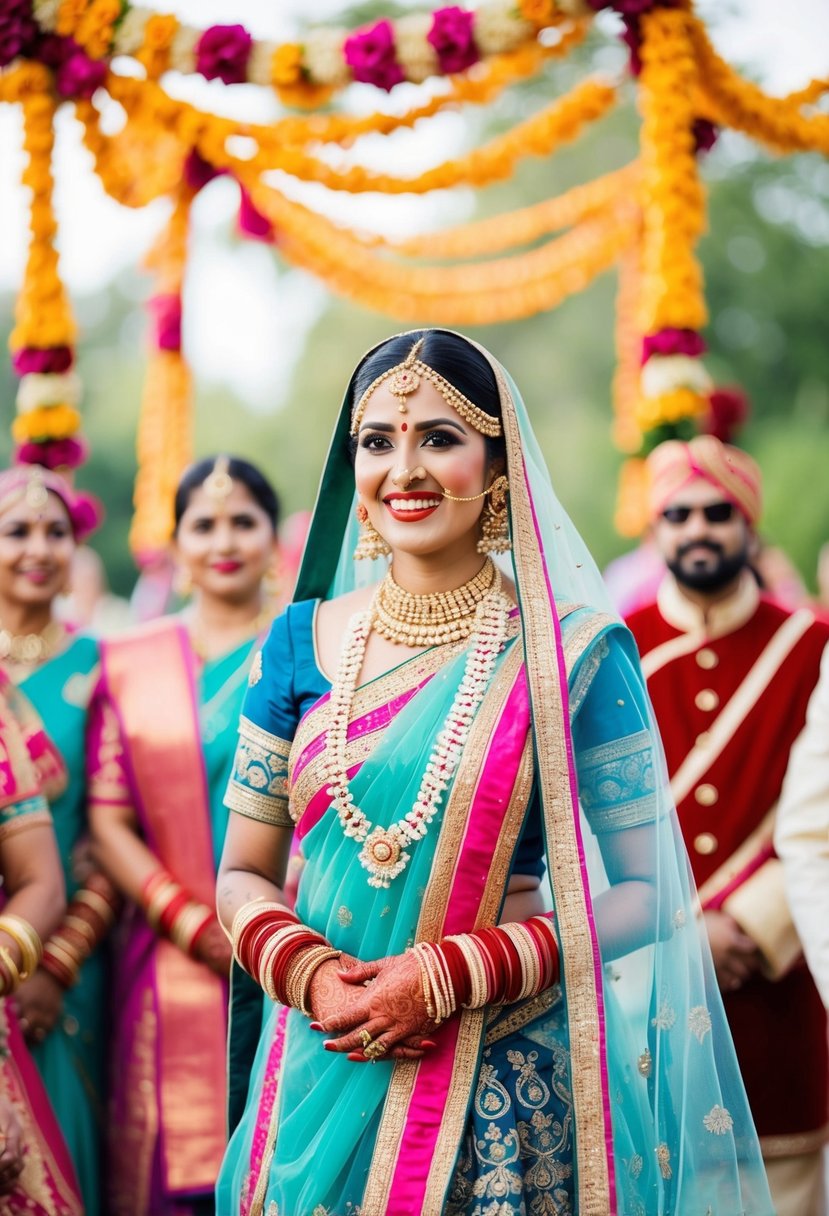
{"points": [[802, 832]]}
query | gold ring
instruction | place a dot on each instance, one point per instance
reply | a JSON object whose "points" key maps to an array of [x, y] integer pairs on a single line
{"points": [[374, 1050], [365, 1039]]}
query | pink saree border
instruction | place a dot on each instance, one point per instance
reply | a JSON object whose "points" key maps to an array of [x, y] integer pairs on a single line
{"points": [[261, 1150]]}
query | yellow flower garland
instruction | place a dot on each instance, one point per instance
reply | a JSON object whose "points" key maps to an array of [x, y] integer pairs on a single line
{"points": [[42, 313]]}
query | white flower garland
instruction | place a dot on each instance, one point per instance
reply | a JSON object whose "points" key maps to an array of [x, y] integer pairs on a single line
{"points": [[384, 849], [665, 373], [48, 388]]}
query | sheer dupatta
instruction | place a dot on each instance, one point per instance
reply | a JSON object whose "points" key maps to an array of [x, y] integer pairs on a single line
{"points": [[647, 1008]]}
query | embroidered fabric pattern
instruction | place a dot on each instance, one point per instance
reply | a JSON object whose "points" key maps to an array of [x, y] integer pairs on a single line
{"points": [[517, 1155], [258, 786], [617, 783]]}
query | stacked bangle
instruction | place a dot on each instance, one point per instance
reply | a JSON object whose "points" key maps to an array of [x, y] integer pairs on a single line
{"points": [[28, 942], [281, 953], [172, 913], [89, 917], [489, 967]]}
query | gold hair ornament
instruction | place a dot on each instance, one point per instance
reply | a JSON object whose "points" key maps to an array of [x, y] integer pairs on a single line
{"points": [[36, 495], [405, 379], [218, 485]]}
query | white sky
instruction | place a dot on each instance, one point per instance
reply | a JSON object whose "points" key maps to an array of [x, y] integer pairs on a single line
{"points": [[244, 322]]}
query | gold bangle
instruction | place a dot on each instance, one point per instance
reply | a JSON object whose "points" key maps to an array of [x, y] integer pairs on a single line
{"points": [[12, 968], [26, 938]]}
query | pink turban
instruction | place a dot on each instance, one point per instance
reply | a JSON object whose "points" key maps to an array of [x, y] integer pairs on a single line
{"points": [[675, 464], [23, 482]]}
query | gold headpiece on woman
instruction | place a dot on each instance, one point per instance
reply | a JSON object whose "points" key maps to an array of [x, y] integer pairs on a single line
{"points": [[405, 379], [36, 495], [218, 484]]}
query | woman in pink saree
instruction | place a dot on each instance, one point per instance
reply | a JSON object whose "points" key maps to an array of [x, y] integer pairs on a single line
{"points": [[491, 996], [161, 748], [36, 1173]]}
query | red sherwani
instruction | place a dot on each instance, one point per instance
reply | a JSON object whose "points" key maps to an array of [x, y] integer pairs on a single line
{"points": [[725, 804]]}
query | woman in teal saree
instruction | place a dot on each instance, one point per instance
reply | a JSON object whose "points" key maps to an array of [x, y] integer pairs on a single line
{"points": [[62, 1007], [494, 908]]}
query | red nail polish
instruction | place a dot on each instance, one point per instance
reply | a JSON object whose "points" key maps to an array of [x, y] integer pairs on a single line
{"points": [[357, 1057], [316, 1025], [329, 1045]]}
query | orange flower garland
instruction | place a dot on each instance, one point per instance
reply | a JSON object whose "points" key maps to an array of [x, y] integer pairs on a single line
{"points": [[164, 442], [673, 198]]}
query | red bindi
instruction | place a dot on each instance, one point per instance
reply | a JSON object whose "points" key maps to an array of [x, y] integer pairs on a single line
{"points": [[404, 426]]}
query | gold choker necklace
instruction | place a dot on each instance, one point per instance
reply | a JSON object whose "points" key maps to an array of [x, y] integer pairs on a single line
{"points": [[31, 648], [437, 618]]}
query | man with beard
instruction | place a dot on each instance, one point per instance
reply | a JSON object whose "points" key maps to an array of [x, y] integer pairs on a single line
{"points": [[730, 674]]}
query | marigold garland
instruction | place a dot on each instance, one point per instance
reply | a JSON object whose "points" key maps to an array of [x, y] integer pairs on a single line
{"points": [[673, 198]]}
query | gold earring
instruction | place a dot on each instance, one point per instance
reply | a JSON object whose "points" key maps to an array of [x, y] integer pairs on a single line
{"points": [[371, 543], [495, 520], [183, 583]]}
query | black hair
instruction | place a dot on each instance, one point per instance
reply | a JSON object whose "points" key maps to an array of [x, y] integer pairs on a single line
{"points": [[457, 360], [255, 482]]}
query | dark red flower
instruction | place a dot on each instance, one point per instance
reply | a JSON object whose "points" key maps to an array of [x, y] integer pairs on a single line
{"points": [[18, 29], [79, 75], [222, 53], [452, 36]]}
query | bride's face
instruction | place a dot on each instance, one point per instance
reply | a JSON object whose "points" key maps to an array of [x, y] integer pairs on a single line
{"points": [[441, 452]]}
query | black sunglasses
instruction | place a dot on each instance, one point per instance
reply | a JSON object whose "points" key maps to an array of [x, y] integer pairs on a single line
{"points": [[714, 512]]}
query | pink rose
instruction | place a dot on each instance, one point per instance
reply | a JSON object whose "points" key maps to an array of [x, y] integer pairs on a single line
{"points": [[453, 39], [371, 56], [56, 454], [222, 53], [728, 408]]}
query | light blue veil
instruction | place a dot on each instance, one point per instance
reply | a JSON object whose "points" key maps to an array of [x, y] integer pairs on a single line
{"points": [[661, 1122]]}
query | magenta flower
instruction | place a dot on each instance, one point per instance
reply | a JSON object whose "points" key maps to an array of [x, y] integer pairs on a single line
{"points": [[252, 222], [18, 29], [165, 310], [56, 454], [42, 359], [728, 409], [453, 39], [673, 342], [198, 172], [222, 53], [79, 75], [371, 56]]}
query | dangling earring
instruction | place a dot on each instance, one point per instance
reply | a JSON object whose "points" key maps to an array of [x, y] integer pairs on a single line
{"points": [[183, 583], [494, 519], [371, 543]]}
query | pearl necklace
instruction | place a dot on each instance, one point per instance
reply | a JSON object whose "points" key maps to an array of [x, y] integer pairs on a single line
{"points": [[384, 848], [434, 619], [31, 648]]}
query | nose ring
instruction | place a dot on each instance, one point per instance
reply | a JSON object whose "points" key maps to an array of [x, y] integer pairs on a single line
{"points": [[405, 477]]}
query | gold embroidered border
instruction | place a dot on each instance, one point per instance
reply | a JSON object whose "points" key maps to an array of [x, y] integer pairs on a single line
{"points": [[522, 1015], [376, 693], [315, 774], [263, 738], [615, 749], [592, 1135], [795, 1144], [264, 808], [432, 915]]}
